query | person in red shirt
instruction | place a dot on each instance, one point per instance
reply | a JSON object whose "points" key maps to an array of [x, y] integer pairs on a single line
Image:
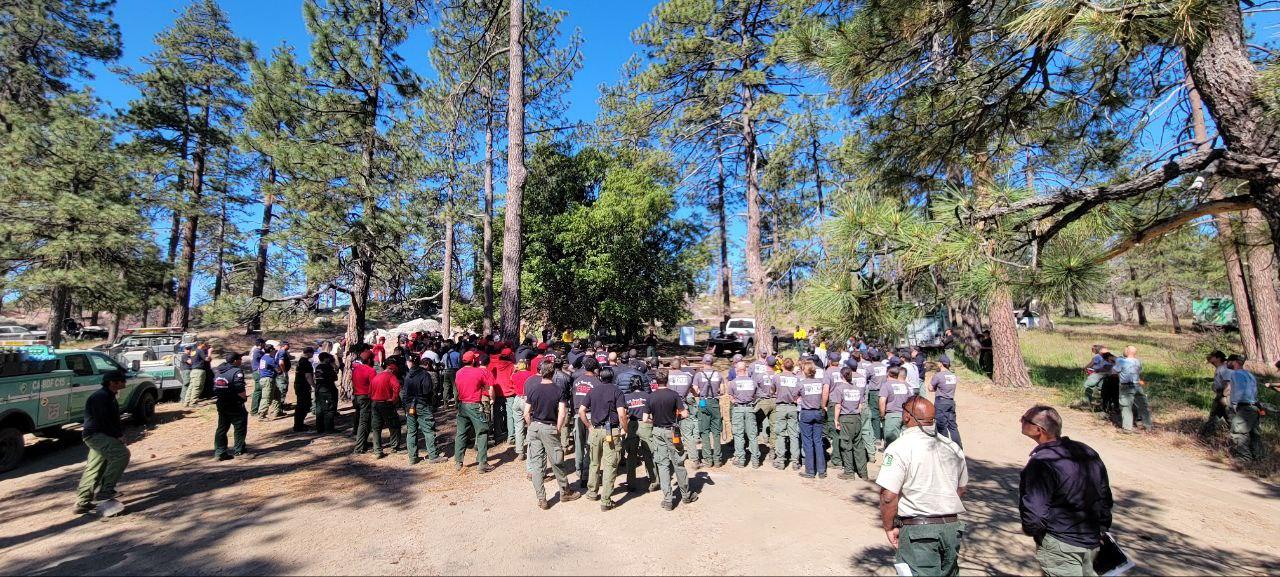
{"points": [[516, 403], [475, 384], [502, 367], [361, 383], [385, 394], [380, 351]]}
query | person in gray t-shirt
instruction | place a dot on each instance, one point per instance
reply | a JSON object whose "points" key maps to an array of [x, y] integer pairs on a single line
{"points": [[742, 391], [943, 386], [893, 394], [1219, 412], [850, 394]]}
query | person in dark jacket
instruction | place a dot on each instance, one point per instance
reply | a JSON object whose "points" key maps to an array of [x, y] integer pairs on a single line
{"points": [[229, 395], [304, 382], [104, 434], [1065, 498], [326, 374], [421, 395]]}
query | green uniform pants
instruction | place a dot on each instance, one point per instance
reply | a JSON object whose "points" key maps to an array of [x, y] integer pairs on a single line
{"points": [[1133, 403], [871, 430], [515, 422], [833, 437], [710, 424], [107, 459], [669, 456], [226, 421], [786, 427], [1058, 559], [282, 384], [853, 454], [544, 451], [764, 418], [1246, 439], [1093, 387], [688, 430], [743, 423], [604, 462], [639, 446], [892, 428], [931, 549], [450, 390], [471, 418], [270, 396], [421, 421], [873, 427], [195, 384], [385, 417], [255, 398], [326, 408]]}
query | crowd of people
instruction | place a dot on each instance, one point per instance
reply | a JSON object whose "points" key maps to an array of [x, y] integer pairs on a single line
{"points": [[616, 412], [1116, 384]]}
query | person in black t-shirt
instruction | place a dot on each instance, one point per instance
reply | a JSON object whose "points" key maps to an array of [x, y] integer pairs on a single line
{"points": [[304, 382], [229, 394], [604, 415], [326, 375], [666, 409], [544, 418]]}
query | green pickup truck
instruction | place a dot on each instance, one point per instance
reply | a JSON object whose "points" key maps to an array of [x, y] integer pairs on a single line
{"points": [[43, 391]]}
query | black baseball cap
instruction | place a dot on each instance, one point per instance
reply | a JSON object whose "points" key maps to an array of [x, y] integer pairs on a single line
{"points": [[113, 377]]}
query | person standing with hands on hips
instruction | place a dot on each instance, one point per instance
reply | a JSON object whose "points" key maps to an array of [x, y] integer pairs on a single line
{"points": [[921, 484], [605, 415]]}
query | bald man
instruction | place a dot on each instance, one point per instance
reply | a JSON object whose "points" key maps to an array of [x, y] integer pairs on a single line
{"points": [[921, 485]]}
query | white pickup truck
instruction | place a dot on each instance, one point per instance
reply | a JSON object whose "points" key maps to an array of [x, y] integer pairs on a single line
{"points": [[739, 336]]}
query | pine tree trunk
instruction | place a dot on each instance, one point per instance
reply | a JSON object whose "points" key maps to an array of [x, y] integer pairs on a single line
{"points": [[219, 271], [93, 317], [115, 325], [726, 272], [755, 265], [260, 266], [58, 314], [512, 239], [183, 310], [1138, 308], [1226, 237], [446, 278], [817, 171], [1171, 309], [1117, 314], [1008, 367], [971, 329], [170, 287], [486, 271], [1262, 286]]}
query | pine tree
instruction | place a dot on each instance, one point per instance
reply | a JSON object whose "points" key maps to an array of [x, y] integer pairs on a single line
{"points": [[192, 94], [67, 209]]}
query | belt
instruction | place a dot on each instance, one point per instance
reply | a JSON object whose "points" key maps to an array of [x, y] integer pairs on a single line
{"points": [[548, 423], [937, 520], [1246, 404]]}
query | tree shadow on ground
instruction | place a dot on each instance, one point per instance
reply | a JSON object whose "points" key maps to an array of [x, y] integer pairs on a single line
{"points": [[994, 543], [196, 504]]}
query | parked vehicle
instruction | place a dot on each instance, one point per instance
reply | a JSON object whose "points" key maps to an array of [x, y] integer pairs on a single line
{"points": [[21, 333], [148, 344], [739, 336], [43, 392], [1215, 313], [80, 331]]}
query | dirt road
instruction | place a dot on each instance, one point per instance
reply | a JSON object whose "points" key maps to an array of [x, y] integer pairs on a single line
{"points": [[302, 504]]}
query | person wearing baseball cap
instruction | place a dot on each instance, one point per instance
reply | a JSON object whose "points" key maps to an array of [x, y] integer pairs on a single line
{"points": [[475, 385]]}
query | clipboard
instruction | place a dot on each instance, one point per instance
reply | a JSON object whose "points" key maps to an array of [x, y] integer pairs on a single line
{"points": [[1111, 560]]}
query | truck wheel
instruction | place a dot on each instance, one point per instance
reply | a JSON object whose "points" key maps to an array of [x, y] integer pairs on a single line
{"points": [[11, 447], [145, 410]]}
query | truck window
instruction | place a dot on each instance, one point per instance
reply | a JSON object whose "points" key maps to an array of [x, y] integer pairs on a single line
{"points": [[104, 365], [739, 324], [79, 364]]}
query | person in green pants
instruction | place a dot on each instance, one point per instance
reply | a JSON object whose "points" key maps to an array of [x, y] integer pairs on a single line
{"points": [[786, 417], [198, 379], [849, 392], [229, 396], [896, 392], [680, 381], [420, 396], [706, 386], [742, 392], [475, 385], [104, 434], [666, 408], [604, 413], [876, 372], [639, 442]]}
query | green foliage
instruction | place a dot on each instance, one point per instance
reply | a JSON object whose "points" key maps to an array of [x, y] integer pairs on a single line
{"points": [[603, 247], [46, 45], [68, 212]]}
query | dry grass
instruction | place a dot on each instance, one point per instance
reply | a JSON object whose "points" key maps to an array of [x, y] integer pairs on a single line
{"points": [[1178, 379]]}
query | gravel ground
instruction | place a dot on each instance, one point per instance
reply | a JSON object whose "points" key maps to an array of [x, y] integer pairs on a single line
{"points": [[301, 504]]}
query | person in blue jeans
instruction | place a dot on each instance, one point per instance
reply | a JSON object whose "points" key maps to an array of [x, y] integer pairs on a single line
{"points": [[813, 401]]}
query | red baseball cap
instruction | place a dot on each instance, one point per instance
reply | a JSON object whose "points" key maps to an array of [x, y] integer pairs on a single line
{"points": [[468, 356], [542, 346], [506, 352]]}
